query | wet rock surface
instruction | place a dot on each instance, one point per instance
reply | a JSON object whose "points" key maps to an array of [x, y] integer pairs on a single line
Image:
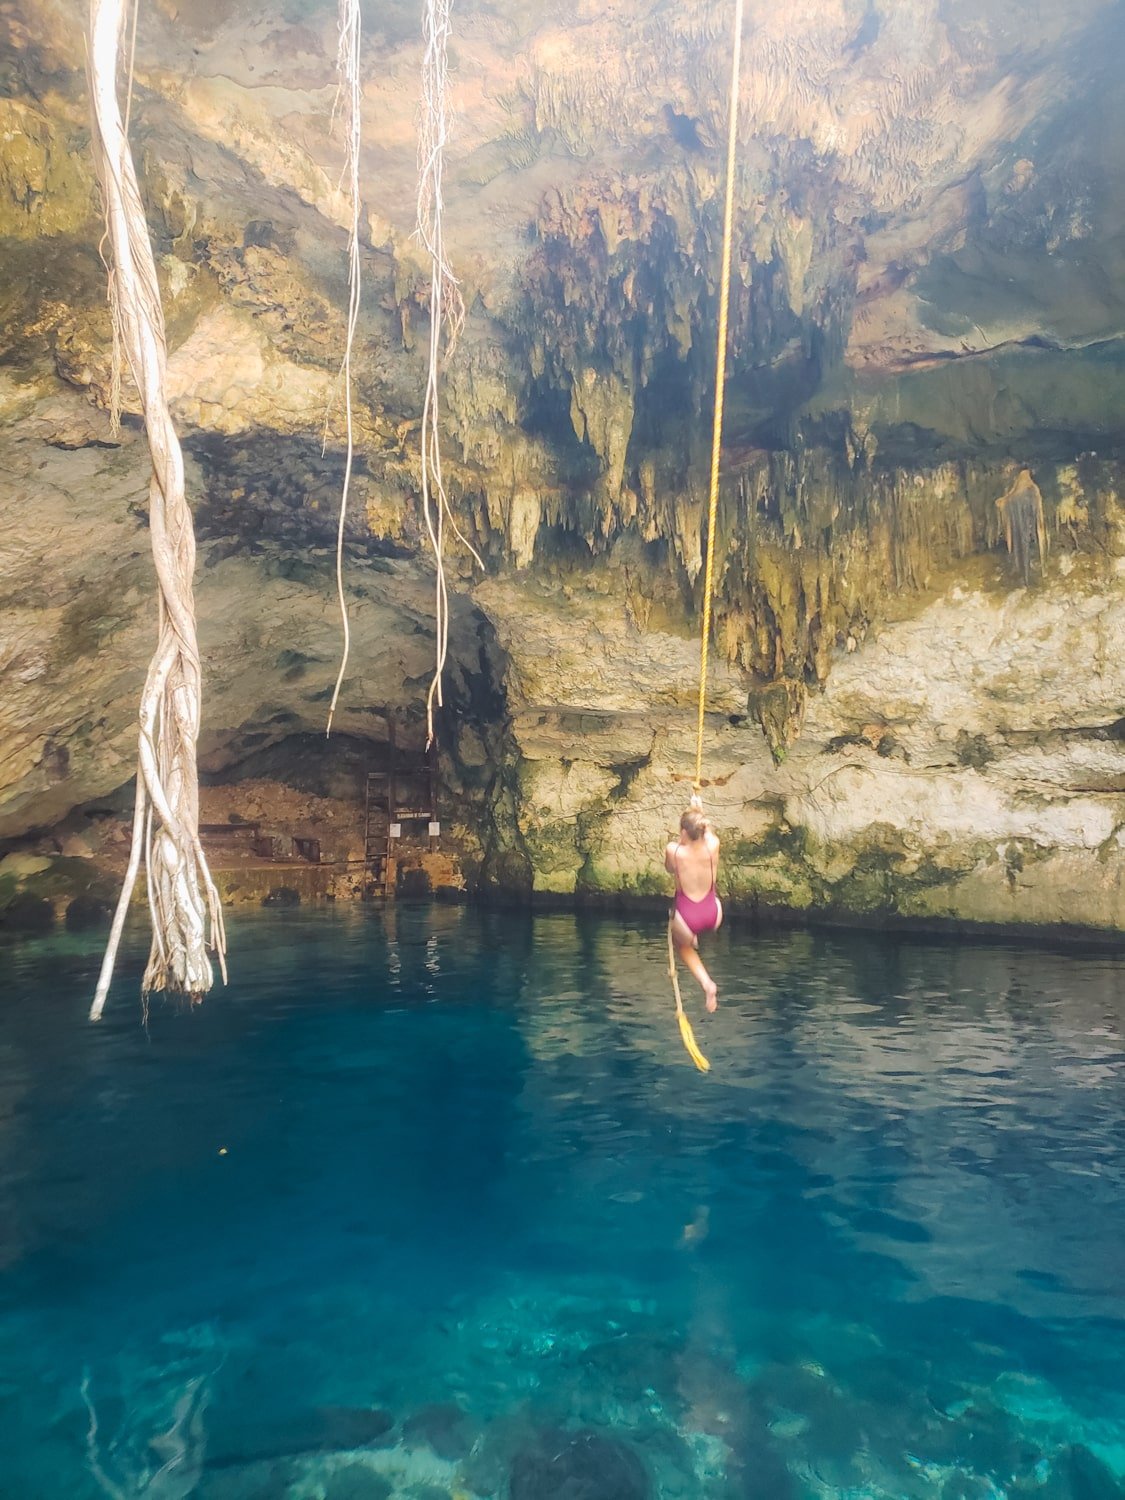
{"points": [[908, 689], [443, 1426], [951, 768], [577, 1466]]}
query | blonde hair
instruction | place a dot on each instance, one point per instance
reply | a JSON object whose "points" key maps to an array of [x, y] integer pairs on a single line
{"points": [[693, 823]]}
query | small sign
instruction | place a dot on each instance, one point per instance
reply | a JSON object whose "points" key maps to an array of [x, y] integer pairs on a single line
{"points": [[435, 830], [395, 831]]}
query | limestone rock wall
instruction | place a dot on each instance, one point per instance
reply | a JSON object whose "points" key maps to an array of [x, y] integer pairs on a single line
{"points": [[904, 718], [964, 760], [77, 603], [937, 738]]}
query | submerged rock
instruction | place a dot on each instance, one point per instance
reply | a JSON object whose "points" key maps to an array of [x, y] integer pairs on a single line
{"points": [[356, 1426], [577, 1466], [443, 1426], [967, 1487], [24, 912], [85, 912], [282, 895], [19, 866], [255, 1481], [326, 1429], [1090, 1479], [761, 1475], [356, 1482]]}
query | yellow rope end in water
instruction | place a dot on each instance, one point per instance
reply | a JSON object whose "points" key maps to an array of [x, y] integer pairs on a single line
{"points": [[692, 1045]]}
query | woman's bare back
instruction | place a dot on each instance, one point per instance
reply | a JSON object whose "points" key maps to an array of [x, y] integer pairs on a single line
{"points": [[695, 864]]}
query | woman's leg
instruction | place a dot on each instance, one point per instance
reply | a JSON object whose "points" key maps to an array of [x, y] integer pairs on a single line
{"points": [[687, 946]]}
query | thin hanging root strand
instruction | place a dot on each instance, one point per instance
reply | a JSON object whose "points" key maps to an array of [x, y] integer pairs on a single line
{"points": [[433, 133], [182, 896], [135, 850], [447, 316], [347, 65]]}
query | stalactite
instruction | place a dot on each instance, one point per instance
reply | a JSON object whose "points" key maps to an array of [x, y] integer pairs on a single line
{"points": [[1025, 532]]}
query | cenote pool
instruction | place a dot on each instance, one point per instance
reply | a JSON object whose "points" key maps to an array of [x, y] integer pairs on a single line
{"points": [[431, 1203]]}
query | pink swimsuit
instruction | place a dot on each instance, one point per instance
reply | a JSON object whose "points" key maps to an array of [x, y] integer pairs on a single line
{"points": [[699, 916]]}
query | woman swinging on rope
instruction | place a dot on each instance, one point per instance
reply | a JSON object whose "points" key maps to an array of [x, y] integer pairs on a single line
{"points": [[693, 861]]}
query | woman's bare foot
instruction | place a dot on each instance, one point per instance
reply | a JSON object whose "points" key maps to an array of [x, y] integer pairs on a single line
{"points": [[711, 992]]}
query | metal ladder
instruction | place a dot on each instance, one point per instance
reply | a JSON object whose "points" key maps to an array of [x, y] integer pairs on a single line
{"points": [[378, 857], [404, 792]]}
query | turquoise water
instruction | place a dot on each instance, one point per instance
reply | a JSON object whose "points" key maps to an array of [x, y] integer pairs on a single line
{"points": [[431, 1203]]}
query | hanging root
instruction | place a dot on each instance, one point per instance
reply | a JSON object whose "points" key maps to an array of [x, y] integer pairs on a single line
{"points": [[433, 133], [182, 896], [447, 318], [347, 66], [447, 308]]}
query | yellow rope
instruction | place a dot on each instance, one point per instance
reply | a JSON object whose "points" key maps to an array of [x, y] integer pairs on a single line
{"points": [[686, 1033], [720, 382]]}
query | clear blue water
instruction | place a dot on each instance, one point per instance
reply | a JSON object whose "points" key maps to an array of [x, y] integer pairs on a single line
{"points": [[432, 1203]]}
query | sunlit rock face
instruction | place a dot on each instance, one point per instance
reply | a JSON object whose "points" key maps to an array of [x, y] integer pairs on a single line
{"points": [[905, 717], [967, 762]]}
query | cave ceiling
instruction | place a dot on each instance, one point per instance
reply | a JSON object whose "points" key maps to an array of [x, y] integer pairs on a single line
{"points": [[929, 269], [919, 183]]}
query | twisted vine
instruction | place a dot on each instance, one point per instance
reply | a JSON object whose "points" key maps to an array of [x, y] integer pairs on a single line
{"points": [[182, 898]]}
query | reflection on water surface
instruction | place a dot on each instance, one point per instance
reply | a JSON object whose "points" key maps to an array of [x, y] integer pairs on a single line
{"points": [[432, 1203]]}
